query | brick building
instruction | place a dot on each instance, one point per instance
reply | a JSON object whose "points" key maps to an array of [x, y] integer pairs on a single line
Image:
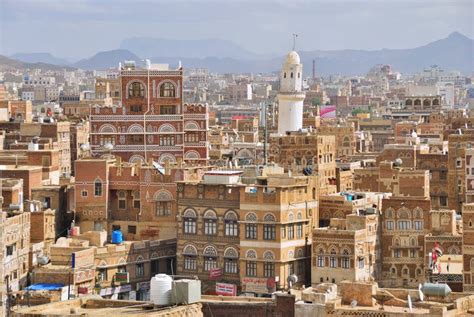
{"points": [[468, 247], [457, 160], [406, 221], [138, 200], [151, 122], [208, 228], [297, 150], [347, 249], [340, 205], [224, 232]]}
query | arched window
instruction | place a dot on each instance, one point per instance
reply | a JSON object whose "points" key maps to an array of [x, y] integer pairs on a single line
{"points": [[320, 258], [97, 188], [291, 216], [136, 199], [230, 224], [210, 223], [269, 229], [251, 231], [333, 259], [345, 259], [136, 89], [189, 222], [251, 254], [210, 258], [269, 218], [190, 258], [268, 255], [167, 89], [284, 75], [231, 260], [291, 75], [163, 199]]}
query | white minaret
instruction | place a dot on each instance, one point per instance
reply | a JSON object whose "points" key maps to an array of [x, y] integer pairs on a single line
{"points": [[291, 96]]}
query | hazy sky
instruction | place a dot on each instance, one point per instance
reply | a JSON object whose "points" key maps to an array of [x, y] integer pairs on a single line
{"points": [[80, 28]]}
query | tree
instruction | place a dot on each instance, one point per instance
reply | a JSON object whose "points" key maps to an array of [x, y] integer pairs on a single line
{"points": [[355, 112], [316, 101]]}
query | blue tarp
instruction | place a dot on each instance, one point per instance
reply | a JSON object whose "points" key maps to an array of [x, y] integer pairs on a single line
{"points": [[44, 287]]}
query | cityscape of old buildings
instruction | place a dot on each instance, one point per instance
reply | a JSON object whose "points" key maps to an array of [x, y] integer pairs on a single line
{"points": [[335, 191]]}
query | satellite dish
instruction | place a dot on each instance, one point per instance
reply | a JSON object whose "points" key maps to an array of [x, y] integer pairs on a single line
{"points": [[108, 146], [85, 147], [42, 259], [292, 279], [410, 305], [398, 162], [420, 293]]}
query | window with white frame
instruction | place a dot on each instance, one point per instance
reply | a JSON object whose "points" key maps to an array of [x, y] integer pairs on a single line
{"points": [[333, 259], [122, 200]]}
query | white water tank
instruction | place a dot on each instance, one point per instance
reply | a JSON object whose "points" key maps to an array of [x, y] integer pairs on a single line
{"points": [[160, 289]]}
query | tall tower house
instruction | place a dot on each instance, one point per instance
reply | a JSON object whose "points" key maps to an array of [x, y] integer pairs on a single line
{"points": [[291, 96]]}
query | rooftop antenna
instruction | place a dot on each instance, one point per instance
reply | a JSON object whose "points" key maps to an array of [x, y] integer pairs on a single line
{"points": [[294, 40]]}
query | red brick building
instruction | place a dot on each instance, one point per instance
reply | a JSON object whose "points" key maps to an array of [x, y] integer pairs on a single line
{"points": [[151, 122]]}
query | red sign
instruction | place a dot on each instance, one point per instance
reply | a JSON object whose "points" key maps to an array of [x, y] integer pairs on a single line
{"points": [[215, 272], [82, 290], [226, 289]]}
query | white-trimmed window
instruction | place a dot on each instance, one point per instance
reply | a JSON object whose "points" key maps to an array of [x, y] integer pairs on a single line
{"points": [[404, 225], [189, 222], [122, 200], [418, 225], [345, 261], [97, 188], [333, 259], [231, 226], [321, 258]]}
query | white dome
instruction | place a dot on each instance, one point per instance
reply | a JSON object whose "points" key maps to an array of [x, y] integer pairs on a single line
{"points": [[292, 58]]}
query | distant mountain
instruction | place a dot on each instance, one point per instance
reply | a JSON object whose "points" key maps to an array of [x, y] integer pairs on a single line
{"points": [[107, 59], [47, 58], [454, 52], [9, 64], [157, 47]]}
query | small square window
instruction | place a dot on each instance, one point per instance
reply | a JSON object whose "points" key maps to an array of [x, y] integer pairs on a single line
{"points": [[132, 229], [84, 193]]}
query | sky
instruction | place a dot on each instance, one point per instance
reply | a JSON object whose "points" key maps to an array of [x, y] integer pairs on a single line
{"points": [[80, 28]]}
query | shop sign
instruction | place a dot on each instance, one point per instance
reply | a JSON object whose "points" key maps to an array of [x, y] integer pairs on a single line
{"points": [[121, 277], [258, 285], [115, 290], [143, 286], [226, 289]]}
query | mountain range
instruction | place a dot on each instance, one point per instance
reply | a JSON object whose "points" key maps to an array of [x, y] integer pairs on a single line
{"points": [[454, 52], [9, 64]]}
